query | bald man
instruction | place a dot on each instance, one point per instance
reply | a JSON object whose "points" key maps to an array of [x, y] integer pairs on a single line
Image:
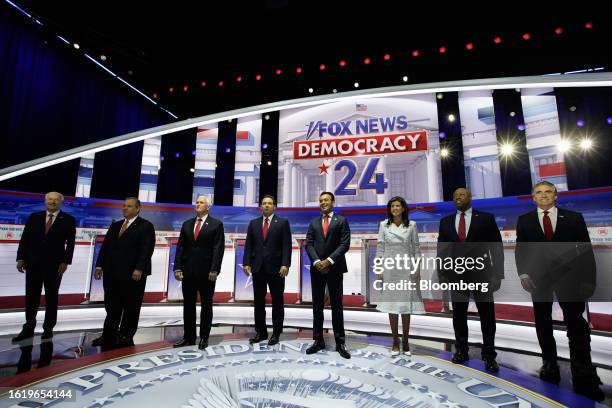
{"points": [[468, 233], [44, 253]]}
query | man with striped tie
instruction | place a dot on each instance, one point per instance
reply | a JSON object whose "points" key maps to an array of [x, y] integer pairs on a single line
{"points": [[197, 263], [267, 256]]}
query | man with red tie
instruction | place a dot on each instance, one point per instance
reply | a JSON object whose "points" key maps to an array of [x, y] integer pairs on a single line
{"points": [[327, 241], [125, 262], [554, 255], [199, 253], [267, 256], [466, 234], [44, 253]]}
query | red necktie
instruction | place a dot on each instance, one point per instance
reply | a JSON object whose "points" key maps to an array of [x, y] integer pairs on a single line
{"points": [[461, 231], [197, 229], [325, 225], [49, 224], [548, 229], [123, 228], [265, 228]]}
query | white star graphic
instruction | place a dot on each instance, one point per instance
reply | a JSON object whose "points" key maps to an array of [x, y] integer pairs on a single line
{"points": [[365, 369], [301, 360], [333, 363], [102, 401], [450, 404], [416, 387], [316, 361], [251, 361], [219, 364], [122, 391], [284, 360], [143, 384], [381, 373], [268, 360], [200, 367], [349, 366], [162, 377], [435, 395], [235, 362], [399, 379], [182, 372]]}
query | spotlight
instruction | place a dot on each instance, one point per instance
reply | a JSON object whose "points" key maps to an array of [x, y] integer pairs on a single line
{"points": [[521, 127], [193, 152], [415, 53], [171, 89], [572, 108], [278, 71], [526, 36], [469, 46], [442, 50], [298, 70], [267, 117], [405, 78], [185, 88], [76, 46], [221, 83], [440, 95], [558, 30], [586, 144], [322, 67], [609, 120], [442, 135], [444, 152], [192, 170], [497, 40], [334, 90], [310, 90], [177, 155], [269, 163], [580, 123], [342, 63], [203, 84], [387, 57], [264, 146], [103, 57], [356, 84], [564, 146], [228, 150], [451, 118], [588, 25], [507, 149], [512, 114], [258, 77], [367, 61], [154, 96], [238, 78]]}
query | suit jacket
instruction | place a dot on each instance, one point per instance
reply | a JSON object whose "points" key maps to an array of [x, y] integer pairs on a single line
{"points": [[120, 256], [567, 263], [336, 244], [274, 251], [196, 258], [483, 240], [52, 249]]}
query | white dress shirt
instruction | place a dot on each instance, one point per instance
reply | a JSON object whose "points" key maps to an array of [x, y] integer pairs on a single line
{"points": [[331, 215], [468, 220], [552, 214], [195, 224]]}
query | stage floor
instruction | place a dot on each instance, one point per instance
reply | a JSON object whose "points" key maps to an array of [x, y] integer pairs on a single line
{"points": [[232, 373]]}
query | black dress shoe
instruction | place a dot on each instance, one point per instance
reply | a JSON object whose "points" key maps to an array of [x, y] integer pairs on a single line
{"points": [[203, 344], [22, 336], [550, 372], [183, 343], [47, 334], [316, 346], [460, 357], [274, 340], [258, 337], [98, 341], [125, 342], [491, 365], [591, 391], [341, 349]]}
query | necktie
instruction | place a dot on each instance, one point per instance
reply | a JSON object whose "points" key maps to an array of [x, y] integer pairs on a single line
{"points": [[265, 228], [325, 225], [461, 231], [49, 223], [197, 229], [123, 228], [548, 230]]}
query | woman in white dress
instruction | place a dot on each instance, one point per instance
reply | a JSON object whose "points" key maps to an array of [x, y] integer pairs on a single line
{"points": [[398, 236]]}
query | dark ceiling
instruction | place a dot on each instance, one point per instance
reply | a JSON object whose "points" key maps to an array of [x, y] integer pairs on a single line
{"points": [[157, 46]]}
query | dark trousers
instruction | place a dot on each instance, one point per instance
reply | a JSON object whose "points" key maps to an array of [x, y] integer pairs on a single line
{"points": [[486, 311], [578, 331], [122, 301], [191, 286], [261, 281], [333, 280], [36, 277]]}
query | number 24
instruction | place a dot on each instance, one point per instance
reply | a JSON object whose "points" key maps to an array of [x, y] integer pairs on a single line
{"points": [[365, 183]]}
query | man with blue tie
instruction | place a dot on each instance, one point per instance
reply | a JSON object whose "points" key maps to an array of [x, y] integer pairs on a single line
{"points": [[554, 256], [327, 240], [472, 234], [267, 256]]}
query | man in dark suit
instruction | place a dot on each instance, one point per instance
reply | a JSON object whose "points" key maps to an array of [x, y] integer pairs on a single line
{"points": [[199, 253], [554, 255], [327, 240], [472, 234], [267, 255], [125, 262], [44, 253]]}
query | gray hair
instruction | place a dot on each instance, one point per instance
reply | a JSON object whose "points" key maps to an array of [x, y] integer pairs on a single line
{"points": [[61, 196], [543, 183]]}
